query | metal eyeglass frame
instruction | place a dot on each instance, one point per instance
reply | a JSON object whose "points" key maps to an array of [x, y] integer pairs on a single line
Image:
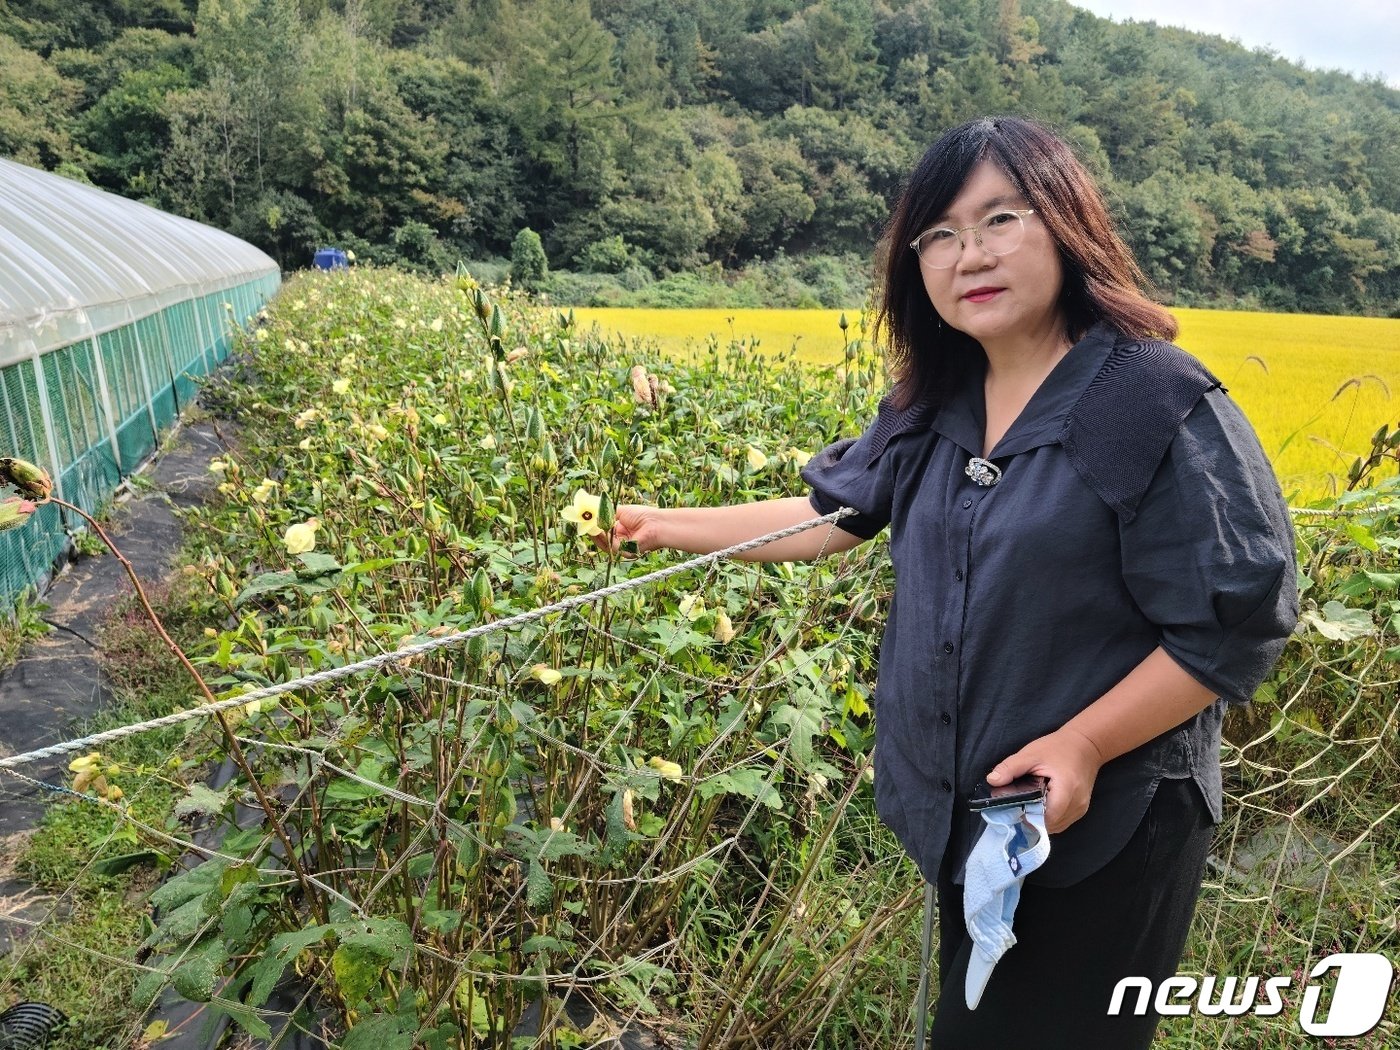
{"points": [[976, 229]]}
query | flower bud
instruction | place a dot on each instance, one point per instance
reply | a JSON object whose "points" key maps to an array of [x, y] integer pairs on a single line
{"points": [[14, 512], [32, 481]]}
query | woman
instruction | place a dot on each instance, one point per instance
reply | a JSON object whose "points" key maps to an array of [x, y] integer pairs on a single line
{"points": [[1092, 558]]}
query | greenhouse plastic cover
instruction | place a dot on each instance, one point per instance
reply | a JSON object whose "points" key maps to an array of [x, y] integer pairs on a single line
{"points": [[76, 261]]}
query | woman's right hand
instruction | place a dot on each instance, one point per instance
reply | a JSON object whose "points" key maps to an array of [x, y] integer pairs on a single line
{"points": [[633, 523]]}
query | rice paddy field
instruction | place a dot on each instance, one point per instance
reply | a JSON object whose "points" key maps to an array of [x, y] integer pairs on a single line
{"points": [[1315, 387]]}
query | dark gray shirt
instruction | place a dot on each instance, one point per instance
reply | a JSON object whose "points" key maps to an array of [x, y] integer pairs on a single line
{"points": [[1019, 604]]}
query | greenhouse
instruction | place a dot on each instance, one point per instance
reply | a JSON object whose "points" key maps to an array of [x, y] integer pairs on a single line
{"points": [[110, 312]]}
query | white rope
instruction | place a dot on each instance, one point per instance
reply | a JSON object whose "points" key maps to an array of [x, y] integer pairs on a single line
{"points": [[373, 663], [1342, 512]]}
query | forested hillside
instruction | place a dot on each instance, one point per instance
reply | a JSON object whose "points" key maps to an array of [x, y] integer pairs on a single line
{"points": [[641, 137]]}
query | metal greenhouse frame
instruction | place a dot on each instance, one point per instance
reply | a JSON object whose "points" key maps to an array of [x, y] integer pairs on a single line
{"points": [[110, 313]]}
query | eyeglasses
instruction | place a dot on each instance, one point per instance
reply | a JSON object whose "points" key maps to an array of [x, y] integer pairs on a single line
{"points": [[999, 233]]}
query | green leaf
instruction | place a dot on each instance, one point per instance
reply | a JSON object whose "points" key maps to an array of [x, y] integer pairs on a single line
{"points": [[202, 801], [179, 925], [196, 882], [1361, 535], [314, 563], [244, 1016], [539, 892], [117, 865], [746, 781], [357, 970], [1385, 581], [380, 1032], [370, 565], [195, 974], [802, 724], [236, 875], [266, 583], [281, 950], [1338, 623]]}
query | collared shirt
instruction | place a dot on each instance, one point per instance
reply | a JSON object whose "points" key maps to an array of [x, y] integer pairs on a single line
{"points": [[1019, 604]]}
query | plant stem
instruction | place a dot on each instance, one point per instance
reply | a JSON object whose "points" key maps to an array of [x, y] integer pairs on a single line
{"points": [[235, 751]]}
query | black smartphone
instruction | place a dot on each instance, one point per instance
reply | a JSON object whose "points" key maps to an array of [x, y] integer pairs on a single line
{"points": [[1029, 788]]}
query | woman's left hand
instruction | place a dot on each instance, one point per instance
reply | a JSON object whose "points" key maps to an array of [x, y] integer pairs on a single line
{"points": [[1069, 761]]}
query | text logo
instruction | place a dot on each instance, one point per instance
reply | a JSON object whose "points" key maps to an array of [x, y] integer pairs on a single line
{"points": [[1358, 999]]}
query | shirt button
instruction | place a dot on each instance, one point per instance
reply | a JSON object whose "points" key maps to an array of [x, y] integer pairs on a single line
{"points": [[957, 574], [946, 718], [967, 503], [947, 786], [947, 647]]}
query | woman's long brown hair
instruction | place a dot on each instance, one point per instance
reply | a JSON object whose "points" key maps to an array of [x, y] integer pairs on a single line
{"points": [[1102, 281]]}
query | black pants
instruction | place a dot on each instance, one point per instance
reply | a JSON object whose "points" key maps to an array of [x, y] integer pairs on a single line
{"points": [[1051, 991]]}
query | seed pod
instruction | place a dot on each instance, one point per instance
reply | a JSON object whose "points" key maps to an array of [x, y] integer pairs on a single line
{"points": [[843, 324], [481, 304], [497, 330], [476, 650], [608, 455], [534, 424], [32, 481], [605, 512], [480, 591], [544, 461]]}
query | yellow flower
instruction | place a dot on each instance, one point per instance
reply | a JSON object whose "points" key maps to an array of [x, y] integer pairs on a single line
{"points": [[263, 492], [546, 674], [724, 628], [305, 419], [799, 457], [217, 466], [440, 420], [583, 512], [668, 769], [349, 255], [376, 431], [300, 538], [340, 386], [757, 460], [488, 442], [436, 326], [692, 607], [86, 763], [304, 444]]}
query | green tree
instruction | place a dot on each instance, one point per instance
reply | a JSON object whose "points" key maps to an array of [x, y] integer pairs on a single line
{"points": [[36, 106], [528, 265]]}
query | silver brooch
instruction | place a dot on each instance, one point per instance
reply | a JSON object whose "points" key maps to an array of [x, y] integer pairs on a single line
{"points": [[982, 471]]}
